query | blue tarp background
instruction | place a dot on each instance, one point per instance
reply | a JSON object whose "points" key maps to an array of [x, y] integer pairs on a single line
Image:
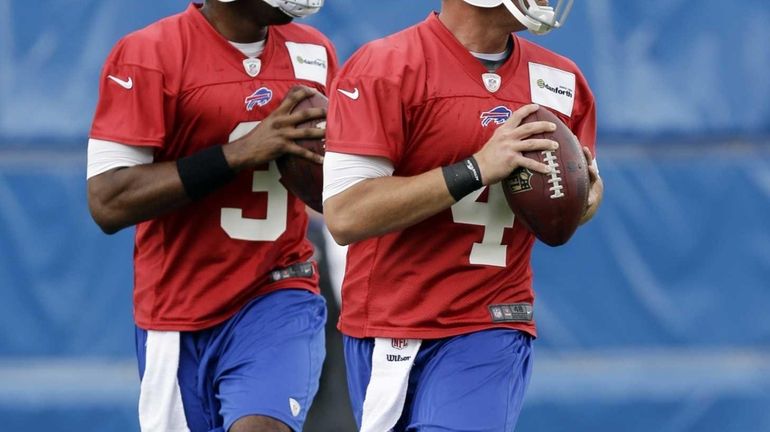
{"points": [[653, 318]]}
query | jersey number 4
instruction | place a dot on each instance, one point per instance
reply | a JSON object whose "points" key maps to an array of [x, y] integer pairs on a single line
{"points": [[495, 216], [270, 228]]}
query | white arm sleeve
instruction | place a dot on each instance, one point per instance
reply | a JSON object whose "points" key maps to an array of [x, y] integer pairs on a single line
{"points": [[106, 155], [342, 171]]}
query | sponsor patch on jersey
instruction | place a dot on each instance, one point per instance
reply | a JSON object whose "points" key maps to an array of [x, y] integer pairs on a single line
{"points": [[260, 97], [310, 61], [497, 115], [553, 88], [516, 312]]}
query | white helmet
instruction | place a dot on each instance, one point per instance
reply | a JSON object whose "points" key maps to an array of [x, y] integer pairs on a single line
{"points": [[538, 19], [293, 8]]}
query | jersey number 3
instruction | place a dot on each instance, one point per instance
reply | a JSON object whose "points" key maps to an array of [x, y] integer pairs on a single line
{"points": [[270, 228], [495, 216]]}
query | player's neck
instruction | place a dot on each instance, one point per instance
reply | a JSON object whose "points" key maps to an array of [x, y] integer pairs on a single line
{"points": [[474, 29], [232, 26]]}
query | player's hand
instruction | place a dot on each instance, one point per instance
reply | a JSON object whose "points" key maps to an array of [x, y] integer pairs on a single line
{"points": [[503, 152], [596, 188], [276, 134]]}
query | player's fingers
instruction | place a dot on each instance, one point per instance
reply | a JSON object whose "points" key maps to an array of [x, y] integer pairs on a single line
{"points": [[593, 173], [528, 129], [591, 199], [520, 114], [301, 116], [295, 96], [304, 133], [589, 156], [536, 144], [292, 148], [532, 165]]}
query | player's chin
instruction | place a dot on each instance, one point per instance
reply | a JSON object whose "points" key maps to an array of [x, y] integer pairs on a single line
{"points": [[278, 17]]}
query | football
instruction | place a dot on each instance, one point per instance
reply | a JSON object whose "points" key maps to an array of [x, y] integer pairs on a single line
{"points": [[551, 205], [302, 177]]}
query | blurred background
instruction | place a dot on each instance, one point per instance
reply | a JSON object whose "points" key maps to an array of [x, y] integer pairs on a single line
{"points": [[655, 317]]}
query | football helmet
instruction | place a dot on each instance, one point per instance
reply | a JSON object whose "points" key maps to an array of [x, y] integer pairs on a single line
{"points": [[293, 8], [538, 19]]}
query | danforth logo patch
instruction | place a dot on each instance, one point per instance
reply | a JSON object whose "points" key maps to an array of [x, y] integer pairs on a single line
{"points": [[552, 87], [310, 61]]}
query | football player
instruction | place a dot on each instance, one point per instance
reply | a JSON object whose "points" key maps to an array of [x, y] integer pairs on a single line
{"points": [[193, 110], [437, 300]]}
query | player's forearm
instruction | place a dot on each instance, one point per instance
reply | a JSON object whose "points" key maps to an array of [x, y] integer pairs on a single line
{"points": [[378, 206], [126, 196]]}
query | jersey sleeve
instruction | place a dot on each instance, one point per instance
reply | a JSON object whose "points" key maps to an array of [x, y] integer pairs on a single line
{"points": [[132, 99], [366, 111]]}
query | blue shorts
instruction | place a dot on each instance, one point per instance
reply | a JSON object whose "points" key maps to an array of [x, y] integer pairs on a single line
{"points": [[471, 382], [266, 360]]}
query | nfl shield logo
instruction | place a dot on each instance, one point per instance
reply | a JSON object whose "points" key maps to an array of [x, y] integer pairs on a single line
{"points": [[252, 66], [520, 180], [399, 344], [492, 81]]}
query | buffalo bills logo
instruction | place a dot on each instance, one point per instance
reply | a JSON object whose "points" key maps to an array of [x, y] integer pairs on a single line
{"points": [[260, 97], [399, 344], [497, 115]]}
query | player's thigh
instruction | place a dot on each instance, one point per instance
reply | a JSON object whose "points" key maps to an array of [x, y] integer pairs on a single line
{"points": [[270, 362], [473, 382]]}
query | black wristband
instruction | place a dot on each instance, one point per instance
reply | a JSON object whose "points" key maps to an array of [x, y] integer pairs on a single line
{"points": [[204, 172], [462, 178]]}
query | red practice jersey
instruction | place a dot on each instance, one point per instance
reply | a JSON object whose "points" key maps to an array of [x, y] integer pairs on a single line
{"points": [[421, 100], [178, 86]]}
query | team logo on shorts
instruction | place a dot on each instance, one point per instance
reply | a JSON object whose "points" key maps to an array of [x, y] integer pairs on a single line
{"points": [[399, 344], [260, 97], [497, 115], [295, 407]]}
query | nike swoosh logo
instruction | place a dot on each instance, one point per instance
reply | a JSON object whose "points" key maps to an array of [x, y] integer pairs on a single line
{"points": [[128, 85], [353, 95]]}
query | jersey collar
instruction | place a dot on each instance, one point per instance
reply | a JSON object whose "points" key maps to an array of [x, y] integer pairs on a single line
{"points": [[470, 64], [233, 56]]}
